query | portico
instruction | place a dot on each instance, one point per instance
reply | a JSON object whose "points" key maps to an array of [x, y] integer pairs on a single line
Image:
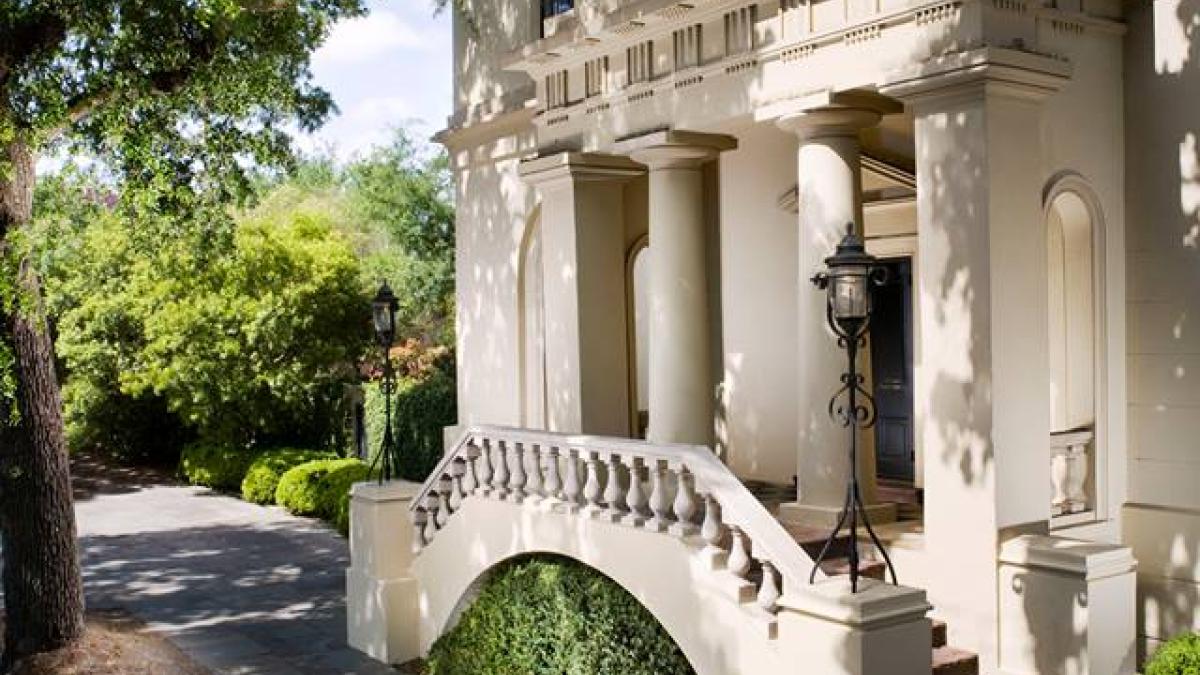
{"points": [[737, 165]]}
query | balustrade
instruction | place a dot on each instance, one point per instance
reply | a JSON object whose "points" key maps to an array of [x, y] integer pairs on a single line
{"points": [[1070, 468], [680, 491]]}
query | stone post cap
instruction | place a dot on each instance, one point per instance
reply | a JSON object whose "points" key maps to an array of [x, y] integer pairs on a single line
{"points": [[391, 491], [875, 603], [1087, 559]]}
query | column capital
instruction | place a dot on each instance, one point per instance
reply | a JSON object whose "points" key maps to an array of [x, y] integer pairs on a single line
{"points": [[830, 113], [996, 70], [673, 148], [578, 166]]}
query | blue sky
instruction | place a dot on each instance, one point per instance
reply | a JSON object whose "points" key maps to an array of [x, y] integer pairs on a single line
{"points": [[390, 68]]}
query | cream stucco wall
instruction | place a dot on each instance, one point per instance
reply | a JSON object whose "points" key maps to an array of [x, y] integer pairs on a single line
{"points": [[758, 292], [1162, 518], [494, 208]]}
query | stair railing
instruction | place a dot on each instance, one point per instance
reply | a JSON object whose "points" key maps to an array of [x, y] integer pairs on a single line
{"points": [[672, 489]]}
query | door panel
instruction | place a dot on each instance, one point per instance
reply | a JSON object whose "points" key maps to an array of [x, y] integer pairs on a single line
{"points": [[892, 373]]}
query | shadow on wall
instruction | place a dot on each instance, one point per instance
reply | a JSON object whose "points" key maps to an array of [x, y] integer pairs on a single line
{"points": [[1163, 144]]}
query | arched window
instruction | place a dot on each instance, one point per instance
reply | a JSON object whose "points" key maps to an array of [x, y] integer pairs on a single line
{"points": [[1070, 239], [533, 327]]}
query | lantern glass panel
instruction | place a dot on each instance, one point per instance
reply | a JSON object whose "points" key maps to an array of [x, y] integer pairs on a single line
{"points": [[849, 293], [382, 317]]}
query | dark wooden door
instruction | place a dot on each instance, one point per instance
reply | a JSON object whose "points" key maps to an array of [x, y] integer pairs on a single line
{"points": [[892, 371]]}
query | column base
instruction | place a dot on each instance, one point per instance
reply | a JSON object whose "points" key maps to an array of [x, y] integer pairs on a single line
{"points": [[818, 516], [382, 617]]}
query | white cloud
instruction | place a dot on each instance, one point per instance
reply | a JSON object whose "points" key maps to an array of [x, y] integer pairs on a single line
{"points": [[367, 38], [365, 123]]}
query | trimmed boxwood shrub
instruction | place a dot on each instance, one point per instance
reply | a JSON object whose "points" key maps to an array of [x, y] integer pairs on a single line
{"points": [[216, 466], [547, 615], [262, 478], [1179, 656], [306, 489], [333, 503]]}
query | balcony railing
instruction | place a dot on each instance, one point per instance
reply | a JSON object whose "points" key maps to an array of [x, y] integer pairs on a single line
{"points": [[1071, 454]]}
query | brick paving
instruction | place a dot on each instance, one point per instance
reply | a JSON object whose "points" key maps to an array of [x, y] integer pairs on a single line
{"points": [[242, 589]]}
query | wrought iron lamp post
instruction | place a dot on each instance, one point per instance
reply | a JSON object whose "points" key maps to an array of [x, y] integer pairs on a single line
{"points": [[383, 314], [851, 272]]}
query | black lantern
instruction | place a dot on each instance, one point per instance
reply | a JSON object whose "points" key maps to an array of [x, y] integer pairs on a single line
{"points": [[383, 315], [851, 273], [383, 311]]}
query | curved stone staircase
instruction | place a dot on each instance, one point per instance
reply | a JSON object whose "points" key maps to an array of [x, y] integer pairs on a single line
{"points": [[670, 523]]}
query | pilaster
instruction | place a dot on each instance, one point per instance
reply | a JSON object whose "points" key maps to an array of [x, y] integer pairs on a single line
{"points": [[983, 392], [583, 255]]}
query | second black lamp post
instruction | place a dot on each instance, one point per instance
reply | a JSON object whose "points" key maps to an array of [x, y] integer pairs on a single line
{"points": [[851, 273], [383, 314]]}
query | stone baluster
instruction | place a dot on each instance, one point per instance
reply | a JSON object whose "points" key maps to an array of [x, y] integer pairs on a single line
{"points": [[768, 591], [516, 481], [431, 524], [712, 530], [500, 475], [1060, 468], [659, 505], [419, 518], [470, 479], [591, 487], [484, 466], [1077, 463], [739, 558], [685, 503], [534, 481], [457, 469], [613, 493], [571, 487], [553, 482], [443, 501], [635, 497]]}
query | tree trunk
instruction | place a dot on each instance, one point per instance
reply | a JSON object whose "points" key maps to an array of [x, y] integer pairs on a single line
{"points": [[43, 589]]}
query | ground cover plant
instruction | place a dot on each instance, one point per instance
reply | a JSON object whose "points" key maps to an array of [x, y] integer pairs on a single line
{"points": [[548, 615], [1179, 656]]}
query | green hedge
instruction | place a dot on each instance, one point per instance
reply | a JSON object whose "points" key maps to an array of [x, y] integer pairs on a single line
{"points": [[262, 478], [1179, 656], [333, 503], [216, 466], [548, 615], [321, 488], [421, 409]]}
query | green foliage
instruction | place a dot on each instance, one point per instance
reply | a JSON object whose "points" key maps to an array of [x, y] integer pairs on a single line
{"points": [[177, 97], [554, 616], [1179, 656], [262, 478], [252, 346], [307, 489], [423, 406], [333, 503], [220, 467]]}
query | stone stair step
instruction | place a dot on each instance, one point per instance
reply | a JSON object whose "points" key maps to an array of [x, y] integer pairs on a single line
{"points": [[939, 633], [874, 569], [952, 661]]}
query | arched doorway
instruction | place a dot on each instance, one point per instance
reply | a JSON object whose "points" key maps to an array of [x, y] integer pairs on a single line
{"points": [[531, 287], [637, 267]]}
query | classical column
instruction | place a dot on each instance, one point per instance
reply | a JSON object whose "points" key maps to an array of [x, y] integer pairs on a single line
{"points": [[829, 197], [583, 260], [681, 359], [984, 395]]}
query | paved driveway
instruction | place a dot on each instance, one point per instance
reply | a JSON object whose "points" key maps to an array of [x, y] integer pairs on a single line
{"points": [[240, 588]]}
